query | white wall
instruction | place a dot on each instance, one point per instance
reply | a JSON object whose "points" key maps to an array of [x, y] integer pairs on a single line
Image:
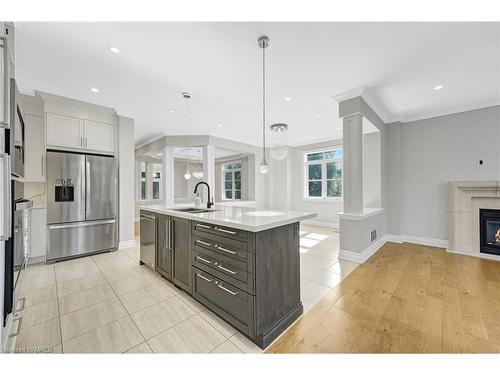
{"points": [[183, 189], [433, 152], [372, 172], [126, 168]]}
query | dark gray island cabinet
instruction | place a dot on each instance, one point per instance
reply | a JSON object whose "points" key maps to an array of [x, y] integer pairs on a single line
{"points": [[249, 279]]}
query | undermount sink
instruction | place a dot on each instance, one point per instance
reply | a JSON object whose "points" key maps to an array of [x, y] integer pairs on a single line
{"points": [[193, 210]]}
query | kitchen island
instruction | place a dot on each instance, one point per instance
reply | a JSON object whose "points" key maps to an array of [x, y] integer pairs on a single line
{"points": [[241, 263]]}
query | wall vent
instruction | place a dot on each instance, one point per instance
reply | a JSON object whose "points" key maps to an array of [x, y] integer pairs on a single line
{"points": [[373, 234]]}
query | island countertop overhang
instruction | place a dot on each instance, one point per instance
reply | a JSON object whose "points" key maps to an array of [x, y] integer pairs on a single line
{"points": [[244, 218]]}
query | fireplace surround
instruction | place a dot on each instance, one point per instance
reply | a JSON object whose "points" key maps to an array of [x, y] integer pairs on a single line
{"points": [[489, 226], [466, 199]]}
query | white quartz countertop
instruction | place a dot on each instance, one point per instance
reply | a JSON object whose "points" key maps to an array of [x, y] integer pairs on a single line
{"points": [[244, 218]]}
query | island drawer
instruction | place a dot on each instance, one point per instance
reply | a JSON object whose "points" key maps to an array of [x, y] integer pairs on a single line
{"points": [[211, 242], [230, 303], [225, 242], [221, 230], [227, 272]]}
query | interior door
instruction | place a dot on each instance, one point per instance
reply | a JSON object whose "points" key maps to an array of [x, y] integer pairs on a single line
{"points": [[101, 187]]}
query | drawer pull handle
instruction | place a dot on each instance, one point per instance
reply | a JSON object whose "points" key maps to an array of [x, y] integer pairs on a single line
{"points": [[226, 250], [203, 243], [226, 231], [227, 270], [227, 290], [204, 278], [203, 260], [204, 226]]}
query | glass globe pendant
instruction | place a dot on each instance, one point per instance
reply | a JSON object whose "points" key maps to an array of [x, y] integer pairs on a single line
{"points": [[187, 96], [279, 151], [263, 43]]}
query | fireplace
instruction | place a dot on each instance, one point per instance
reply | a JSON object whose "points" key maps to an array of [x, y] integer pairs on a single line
{"points": [[489, 226]]}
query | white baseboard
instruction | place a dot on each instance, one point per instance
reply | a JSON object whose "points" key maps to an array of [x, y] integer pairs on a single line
{"points": [[435, 242], [319, 223], [477, 255], [126, 244], [394, 238], [359, 258]]}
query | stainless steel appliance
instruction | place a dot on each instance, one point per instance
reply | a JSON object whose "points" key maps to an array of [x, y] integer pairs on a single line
{"points": [[148, 239], [21, 231], [81, 204]]}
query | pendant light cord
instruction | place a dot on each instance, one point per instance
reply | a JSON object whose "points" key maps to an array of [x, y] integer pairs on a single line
{"points": [[264, 102], [187, 135]]}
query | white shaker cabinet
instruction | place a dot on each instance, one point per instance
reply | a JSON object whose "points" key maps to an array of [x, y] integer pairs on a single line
{"points": [[38, 229], [64, 131], [99, 137], [84, 135], [34, 166]]}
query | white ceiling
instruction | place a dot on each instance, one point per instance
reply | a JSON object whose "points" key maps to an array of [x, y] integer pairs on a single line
{"points": [[220, 64]]}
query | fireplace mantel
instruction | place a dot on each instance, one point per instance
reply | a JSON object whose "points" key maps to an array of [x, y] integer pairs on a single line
{"points": [[464, 201]]}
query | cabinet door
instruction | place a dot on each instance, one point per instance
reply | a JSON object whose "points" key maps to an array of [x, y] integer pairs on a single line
{"points": [[182, 253], [34, 164], [163, 246], [99, 137], [64, 131]]}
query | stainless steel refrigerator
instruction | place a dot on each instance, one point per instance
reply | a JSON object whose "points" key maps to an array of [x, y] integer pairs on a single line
{"points": [[82, 204]]}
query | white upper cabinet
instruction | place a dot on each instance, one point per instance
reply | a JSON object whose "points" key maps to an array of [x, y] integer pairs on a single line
{"points": [[34, 165], [99, 137], [85, 135], [64, 131]]}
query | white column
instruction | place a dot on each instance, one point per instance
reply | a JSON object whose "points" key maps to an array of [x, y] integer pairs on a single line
{"points": [[209, 170], [353, 164], [167, 177]]}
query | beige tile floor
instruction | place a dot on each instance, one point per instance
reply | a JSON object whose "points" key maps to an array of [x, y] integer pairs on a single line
{"points": [[108, 303]]}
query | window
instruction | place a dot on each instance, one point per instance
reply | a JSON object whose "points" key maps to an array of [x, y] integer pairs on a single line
{"points": [[156, 180], [323, 174], [231, 180], [143, 180]]}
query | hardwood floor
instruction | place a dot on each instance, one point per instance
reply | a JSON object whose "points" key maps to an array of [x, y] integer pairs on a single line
{"points": [[406, 298]]}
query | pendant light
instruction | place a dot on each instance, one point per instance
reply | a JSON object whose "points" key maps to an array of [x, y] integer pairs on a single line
{"points": [[279, 151], [263, 43], [187, 96]]}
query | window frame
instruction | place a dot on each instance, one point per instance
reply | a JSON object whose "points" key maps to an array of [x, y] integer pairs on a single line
{"points": [[233, 189], [324, 176]]}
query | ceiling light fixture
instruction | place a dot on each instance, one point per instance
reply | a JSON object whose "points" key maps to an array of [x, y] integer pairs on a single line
{"points": [[93, 89], [114, 49], [263, 43], [279, 150], [318, 116], [187, 96], [438, 87], [288, 99], [219, 125], [171, 111]]}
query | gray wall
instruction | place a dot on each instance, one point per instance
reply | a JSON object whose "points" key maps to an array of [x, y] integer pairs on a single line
{"points": [[372, 171], [126, 162], [432, 153]]}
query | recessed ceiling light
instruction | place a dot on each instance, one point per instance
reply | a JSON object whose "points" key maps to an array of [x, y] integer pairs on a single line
{"points": [[219, 125], [288, 99], [93, 89], [339, 128], [438, 87], [171, 111], [114, 49], [318, 116]]}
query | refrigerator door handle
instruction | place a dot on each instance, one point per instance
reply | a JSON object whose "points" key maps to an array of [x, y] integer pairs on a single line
{"points": [[4, 122], [87, 189], [7, 198], [84, 224]]}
